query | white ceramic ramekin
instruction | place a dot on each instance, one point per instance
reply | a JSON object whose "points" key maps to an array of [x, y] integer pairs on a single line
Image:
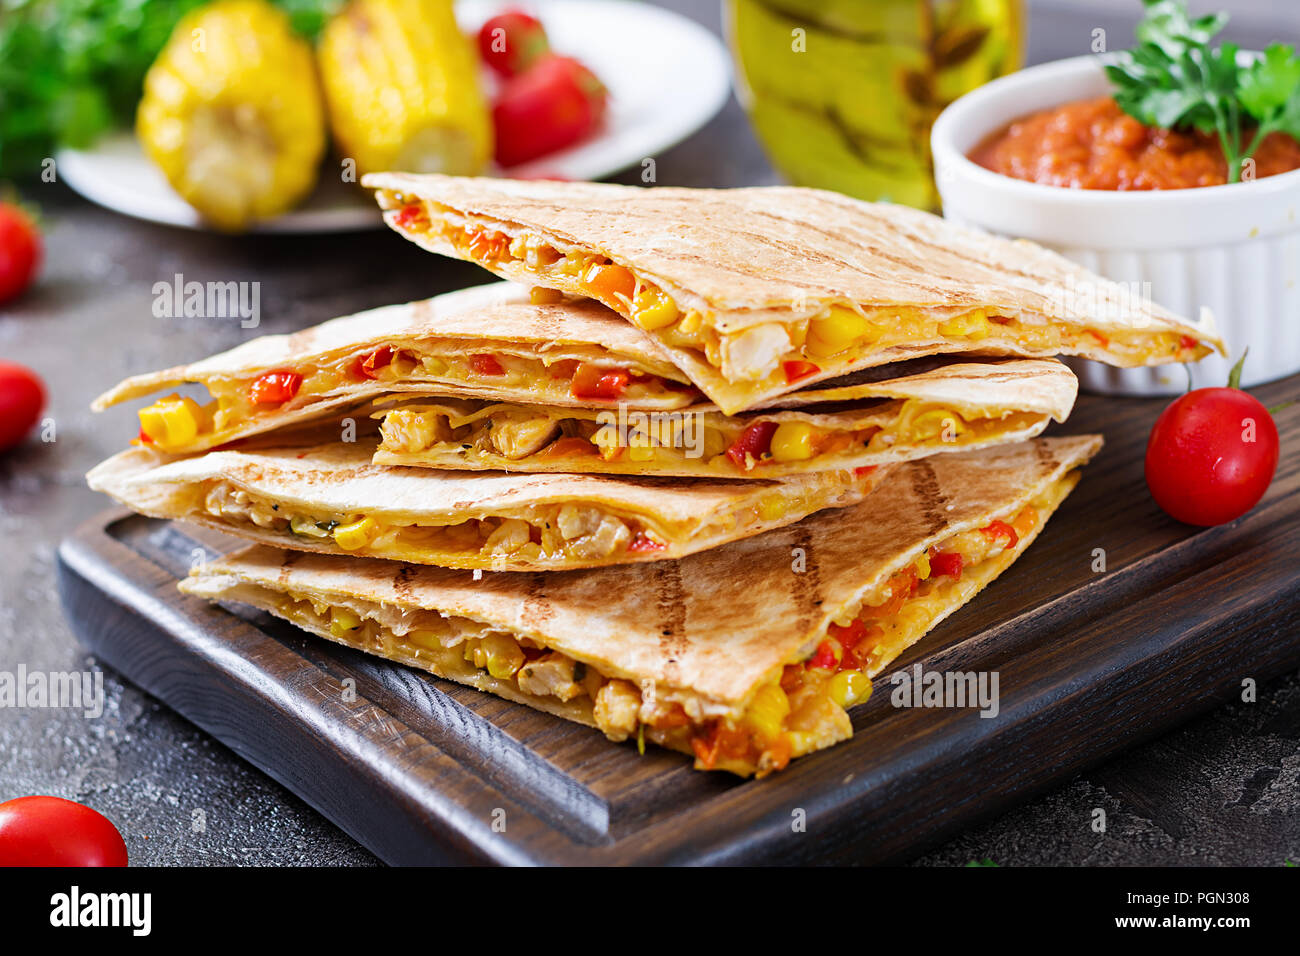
{"points": [[1234, 250]]}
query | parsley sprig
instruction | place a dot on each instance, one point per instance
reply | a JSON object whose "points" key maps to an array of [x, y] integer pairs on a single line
{"points": [[1175, 80]]}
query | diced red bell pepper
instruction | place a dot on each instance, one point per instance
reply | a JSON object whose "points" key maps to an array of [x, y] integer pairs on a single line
{"points": [[368, 366], [864, 470], [1000, 529], [755, 442], [410, 215], [946, 564], [487, 245], [1188, 342], [827, 656], [641, 542], [902, 586], [858, 640], [594, 381], [274, 388], [796, 370], [485, 364]]}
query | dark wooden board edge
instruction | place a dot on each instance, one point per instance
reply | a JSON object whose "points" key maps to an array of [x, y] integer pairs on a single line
{"points": [[945, 770]]}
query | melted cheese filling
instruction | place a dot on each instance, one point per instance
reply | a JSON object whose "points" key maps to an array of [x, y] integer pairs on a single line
{"points": [[174, 427], [536, 537], [499, 435]]}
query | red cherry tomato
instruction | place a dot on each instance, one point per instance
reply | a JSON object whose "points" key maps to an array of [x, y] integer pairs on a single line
{"points": [[51, 831], [21, 399], [554, 104], [1211, 455], [20, 251], [511, 42]]}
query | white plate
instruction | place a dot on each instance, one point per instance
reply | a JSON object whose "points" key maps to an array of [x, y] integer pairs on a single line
{"points": [[667, 77]]}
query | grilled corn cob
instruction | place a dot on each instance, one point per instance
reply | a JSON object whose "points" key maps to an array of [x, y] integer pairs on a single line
{"points": [[402, 87], [232, 113]]}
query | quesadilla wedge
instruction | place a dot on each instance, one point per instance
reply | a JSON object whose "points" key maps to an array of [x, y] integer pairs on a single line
{"points": [[489, 341], [754, 292], [330, 498], [679, 653], [953, 407]]}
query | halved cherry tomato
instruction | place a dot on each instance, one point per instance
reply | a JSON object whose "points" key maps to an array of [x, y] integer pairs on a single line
{"points": [[274, 388], [643, 543], [368, 366], [484, 364], [946, 564], [594, 381], [1000, 529], [51, 831], [754, 442], [796, 370]]}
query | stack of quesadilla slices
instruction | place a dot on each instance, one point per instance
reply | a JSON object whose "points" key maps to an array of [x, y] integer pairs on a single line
{"points": [[765, 438]]}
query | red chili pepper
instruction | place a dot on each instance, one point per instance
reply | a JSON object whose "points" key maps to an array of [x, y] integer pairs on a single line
{"points": [[553, 104], [947, 564], [754, 442], [274, 388], [796, 370], [594, 381], [368, 366], [643, 543], [484, 364], [1000, 529]]}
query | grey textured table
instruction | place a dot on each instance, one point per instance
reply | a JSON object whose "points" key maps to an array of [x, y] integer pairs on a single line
{"points": [[1224, 789]]}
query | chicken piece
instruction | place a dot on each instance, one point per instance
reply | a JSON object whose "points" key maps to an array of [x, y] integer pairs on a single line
{"points": [[518, 437], [617, 706], [549, 676]]}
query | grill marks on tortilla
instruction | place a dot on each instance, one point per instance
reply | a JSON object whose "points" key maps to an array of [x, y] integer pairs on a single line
{"points": [[402, 581], [670, 609], [806, 585], [930, 499], [534, 610]]}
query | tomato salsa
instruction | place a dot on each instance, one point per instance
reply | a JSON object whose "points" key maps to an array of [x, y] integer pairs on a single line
{"points": [[1093, 144]]}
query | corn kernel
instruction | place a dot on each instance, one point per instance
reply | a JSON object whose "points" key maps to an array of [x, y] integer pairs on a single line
{"points": [[835, 331], [767, 711], [343, 620], [540, 295], [938, 422], [653, 310], [848, 688], [923, 567], [641, 452], [173, 421], [771, 507], [425, 639], [691, 323], [792, 441], [498, 654], [355, 535], [973, 325]]}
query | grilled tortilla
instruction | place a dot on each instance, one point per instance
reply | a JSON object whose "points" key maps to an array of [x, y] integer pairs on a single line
{"points": [[676, 653], [489, 342], [330, 498], [951, 407], [757, 291]]}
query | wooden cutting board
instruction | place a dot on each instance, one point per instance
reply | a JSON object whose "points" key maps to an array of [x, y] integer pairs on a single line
{"points": [[421, 770]]}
